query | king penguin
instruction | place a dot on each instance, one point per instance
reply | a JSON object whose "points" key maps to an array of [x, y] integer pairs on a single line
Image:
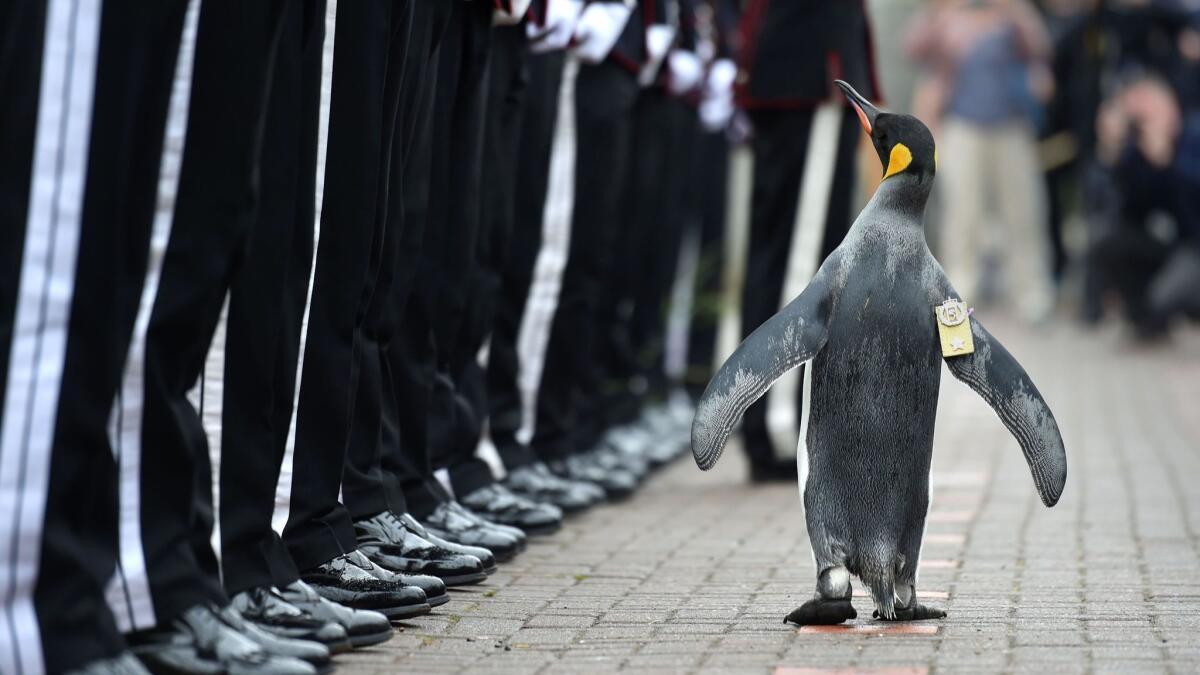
{"points": [[871, 322]]}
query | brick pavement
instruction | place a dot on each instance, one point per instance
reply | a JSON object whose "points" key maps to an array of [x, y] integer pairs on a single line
{"points": [[698, 570]]}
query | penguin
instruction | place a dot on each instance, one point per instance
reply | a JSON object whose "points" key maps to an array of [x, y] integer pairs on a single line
{"points": [[876, 322]]}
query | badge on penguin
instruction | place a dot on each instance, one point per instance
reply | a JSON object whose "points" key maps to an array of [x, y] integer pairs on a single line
{"points": [[876, 323]]}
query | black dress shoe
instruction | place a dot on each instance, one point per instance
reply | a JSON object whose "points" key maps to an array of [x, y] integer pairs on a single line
{"points": [[536, 482], [387, 542], [625, 448], [434, 588], [499, 505], [201, 642], [314, 653], [514, 532], [363, 626], [347, 580], [445, 522], [266, 608], [617, 483], [124, 664], [486, 557]]}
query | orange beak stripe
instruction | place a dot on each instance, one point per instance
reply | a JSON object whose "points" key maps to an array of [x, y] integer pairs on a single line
{"points": [[862, 117]]}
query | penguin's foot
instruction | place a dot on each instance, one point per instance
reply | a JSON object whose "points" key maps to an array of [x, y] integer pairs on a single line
{"points": [[914, 613], [818, 612]]}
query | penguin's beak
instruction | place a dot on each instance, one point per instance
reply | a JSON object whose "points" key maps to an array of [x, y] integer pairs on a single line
{"points": [[866, 112]]}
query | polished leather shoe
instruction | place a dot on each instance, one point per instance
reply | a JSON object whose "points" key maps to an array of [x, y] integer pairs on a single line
{"points": [[515, 532], [447, 523], [314, 653], [499, 505], [347, 580], [537, 483], [387, 542], [123, 664], [617, 483], [486, 557], [625, 448], [200, 641], [363, 626], [266, 608], [669, 427], [434, 588]]}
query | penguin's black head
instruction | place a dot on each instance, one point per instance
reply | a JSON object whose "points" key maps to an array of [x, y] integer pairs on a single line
{"points": [[903, 142]]}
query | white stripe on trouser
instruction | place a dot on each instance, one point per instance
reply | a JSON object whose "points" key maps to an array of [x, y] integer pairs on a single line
{"points": [[209, 399], [803, 260], [283, 489], [42, 319], [533, 336], [680, 308], [740, 186], [129, 589]]}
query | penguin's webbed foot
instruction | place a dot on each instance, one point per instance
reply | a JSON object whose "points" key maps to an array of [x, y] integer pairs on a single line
{"points": [[818, 612], [914, 613]]}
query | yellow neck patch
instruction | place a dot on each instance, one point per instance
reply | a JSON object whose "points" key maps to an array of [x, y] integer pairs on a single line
{"points": [[900, 159]]}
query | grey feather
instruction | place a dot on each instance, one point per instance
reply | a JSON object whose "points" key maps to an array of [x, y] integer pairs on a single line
{"points": [[997, 377], [788, 339]]}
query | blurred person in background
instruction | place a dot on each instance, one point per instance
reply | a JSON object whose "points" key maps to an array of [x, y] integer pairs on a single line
{"points": [[1149, 144], [988, 62], [790, 54], [1096, 42]]}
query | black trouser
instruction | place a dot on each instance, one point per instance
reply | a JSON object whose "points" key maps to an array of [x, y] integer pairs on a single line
{"points": [[368, 65], [660, 249], [262, 328], [73, 251], [434, 315], [533, 153], [641, 274], [605, 98], [374, 465], [214, 212], [408, 364], [710, 172], [780, 149], [508, 81]]}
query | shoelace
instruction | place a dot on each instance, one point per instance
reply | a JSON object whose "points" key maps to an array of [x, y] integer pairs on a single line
{"points": [[411, 524], [398, 526], [304, 590], [275, 605], [360, 561], [454, 520]]}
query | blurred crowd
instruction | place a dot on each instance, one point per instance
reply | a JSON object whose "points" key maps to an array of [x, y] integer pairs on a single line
{"points": [[1078, 120], [312, 309]]}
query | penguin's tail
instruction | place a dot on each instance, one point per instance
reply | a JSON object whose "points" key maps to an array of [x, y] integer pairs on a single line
{"points": [[880, 579]]}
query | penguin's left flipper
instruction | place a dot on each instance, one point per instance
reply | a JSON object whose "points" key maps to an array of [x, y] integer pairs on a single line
{"points": [[914, 613], [786, 340], [997, 377]]}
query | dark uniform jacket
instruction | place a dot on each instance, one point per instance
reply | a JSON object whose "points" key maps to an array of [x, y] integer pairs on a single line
{"points": [[793, 50], [630, 50]]}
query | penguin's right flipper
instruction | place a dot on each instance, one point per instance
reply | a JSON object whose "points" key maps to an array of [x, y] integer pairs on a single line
{"points": [[996, 376], [785, 341]]}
